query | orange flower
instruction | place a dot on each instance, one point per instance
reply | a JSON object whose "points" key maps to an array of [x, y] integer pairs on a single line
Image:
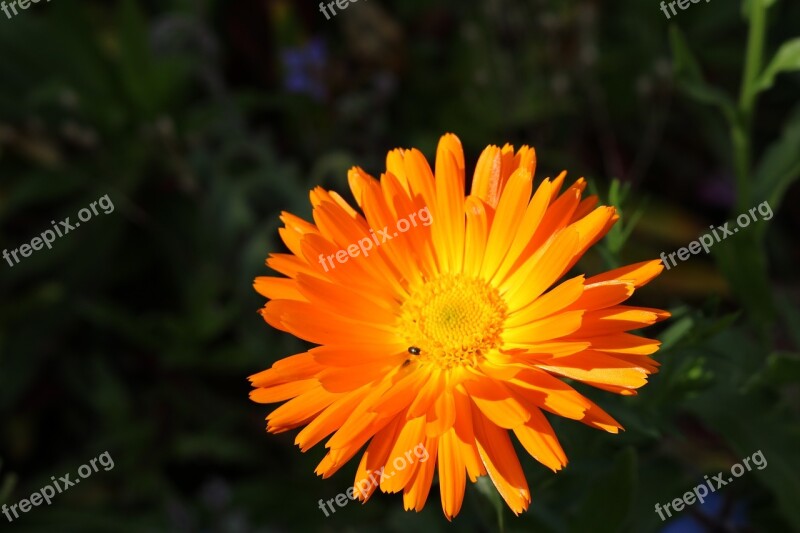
{"points": [[446, 335]]}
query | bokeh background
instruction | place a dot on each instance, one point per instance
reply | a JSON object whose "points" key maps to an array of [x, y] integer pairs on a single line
{"points": [[202, 120]]}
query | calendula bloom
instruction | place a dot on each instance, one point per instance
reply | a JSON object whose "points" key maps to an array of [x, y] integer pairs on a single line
{"points": [[454, 334]]}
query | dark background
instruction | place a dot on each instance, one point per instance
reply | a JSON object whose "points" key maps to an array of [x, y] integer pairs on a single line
{"points": [[203, 120]]}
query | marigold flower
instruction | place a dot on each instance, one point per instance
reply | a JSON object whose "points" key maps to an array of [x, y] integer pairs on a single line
{"points": [[449, 334]]}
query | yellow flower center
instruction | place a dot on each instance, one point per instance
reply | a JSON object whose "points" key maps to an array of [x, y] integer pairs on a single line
{"points": [[454, 320]]}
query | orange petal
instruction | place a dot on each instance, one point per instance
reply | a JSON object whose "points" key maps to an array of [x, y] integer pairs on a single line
{"points": [[502, 464], [329, 420], [452, 474], [497, 403], [416, 491], [282, 392], [539, 439], [596, 367], [367, 477], [639, 273], [411, 435], [487, 183]]}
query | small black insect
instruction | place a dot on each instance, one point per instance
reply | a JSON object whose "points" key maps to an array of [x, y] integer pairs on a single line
{"points": [[413, 350]]}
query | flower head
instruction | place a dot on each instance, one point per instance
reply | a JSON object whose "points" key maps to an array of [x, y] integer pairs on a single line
{"points": [[452, 334]]}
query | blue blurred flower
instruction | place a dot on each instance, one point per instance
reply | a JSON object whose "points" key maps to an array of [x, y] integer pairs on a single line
{"points": [[714, 512], [304, 67]]}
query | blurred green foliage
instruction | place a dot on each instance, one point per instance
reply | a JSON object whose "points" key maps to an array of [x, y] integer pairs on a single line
{"points": [[204, 120]]}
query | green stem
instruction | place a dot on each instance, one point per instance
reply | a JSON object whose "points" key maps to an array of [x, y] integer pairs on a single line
{"points": [[741, 163], [752, 69], [760, 300], [755, 55], [501, 522]]}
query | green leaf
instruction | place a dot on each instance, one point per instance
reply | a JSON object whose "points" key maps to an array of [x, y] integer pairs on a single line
{"points": [[690, 78], [686, 66], [675, 332], [780, 165], [618, 235], [781, 368], [747, 275], [786, 59], [150, 80]]}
